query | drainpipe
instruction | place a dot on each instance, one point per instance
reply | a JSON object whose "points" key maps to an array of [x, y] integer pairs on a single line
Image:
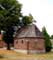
{"points": [[27, 46]]}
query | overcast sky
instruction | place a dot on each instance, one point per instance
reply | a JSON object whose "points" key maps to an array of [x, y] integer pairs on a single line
{"points": [[42, 11]]}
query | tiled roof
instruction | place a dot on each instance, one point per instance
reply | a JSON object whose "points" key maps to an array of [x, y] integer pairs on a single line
{"points": [[29, 31]]}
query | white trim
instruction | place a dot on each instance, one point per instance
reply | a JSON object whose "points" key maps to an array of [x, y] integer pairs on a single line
{"points": [[30, 51]]}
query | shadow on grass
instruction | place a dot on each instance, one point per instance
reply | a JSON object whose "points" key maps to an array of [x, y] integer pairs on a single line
{"points": [[1, 56]]}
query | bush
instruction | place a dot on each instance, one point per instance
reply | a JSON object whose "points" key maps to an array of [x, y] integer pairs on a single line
{"points": [[48, 49]]}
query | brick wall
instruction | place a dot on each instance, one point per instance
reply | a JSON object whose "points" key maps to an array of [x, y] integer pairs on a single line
{"points": [[20, 44], [29, 44]]}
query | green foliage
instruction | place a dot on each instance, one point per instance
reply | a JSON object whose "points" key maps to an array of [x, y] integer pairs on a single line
{"points": [[10, 11], [52, 36], [48, 44], [27, 19]]}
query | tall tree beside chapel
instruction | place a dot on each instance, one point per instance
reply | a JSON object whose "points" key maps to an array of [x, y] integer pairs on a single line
{"points": [[48, 44], [10, 13]]}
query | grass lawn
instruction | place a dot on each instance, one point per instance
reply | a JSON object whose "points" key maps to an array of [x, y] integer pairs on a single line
{"points": [[12, 55]]}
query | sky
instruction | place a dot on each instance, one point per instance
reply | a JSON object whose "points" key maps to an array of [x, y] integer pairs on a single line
{"points": [[41, 10]]}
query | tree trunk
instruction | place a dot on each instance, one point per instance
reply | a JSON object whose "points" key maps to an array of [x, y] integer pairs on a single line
{"points": [[8, 46]]}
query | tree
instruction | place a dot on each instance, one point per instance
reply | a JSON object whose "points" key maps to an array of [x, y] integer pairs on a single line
{"points": [[48, 44], [10, 12], [52, 36], [27, 19]]}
